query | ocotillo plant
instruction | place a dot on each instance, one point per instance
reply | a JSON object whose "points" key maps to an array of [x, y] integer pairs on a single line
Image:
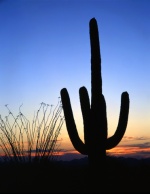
{"points": [[94, 116], [22, 141]]}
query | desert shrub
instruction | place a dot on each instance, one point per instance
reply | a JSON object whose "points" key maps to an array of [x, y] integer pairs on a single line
{"points": [[37, 141]]}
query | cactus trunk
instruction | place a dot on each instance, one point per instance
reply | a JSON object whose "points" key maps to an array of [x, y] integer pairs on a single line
{"points": [[98, 106]]}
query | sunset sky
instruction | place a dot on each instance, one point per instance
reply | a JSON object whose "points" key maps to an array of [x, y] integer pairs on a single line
{"points": [[45, 46]]}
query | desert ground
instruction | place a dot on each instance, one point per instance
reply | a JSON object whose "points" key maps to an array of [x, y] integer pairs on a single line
{"points": [[122, 175]]}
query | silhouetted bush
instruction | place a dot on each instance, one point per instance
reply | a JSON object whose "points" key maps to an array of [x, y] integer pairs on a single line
{"points": [[22, 141]]}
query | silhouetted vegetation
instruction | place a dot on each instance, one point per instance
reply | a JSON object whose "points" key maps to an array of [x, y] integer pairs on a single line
{"points": [[94, 115], [22, 141]]}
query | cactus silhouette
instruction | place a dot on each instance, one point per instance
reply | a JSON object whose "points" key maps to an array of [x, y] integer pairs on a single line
{"points": [[94, 116]]}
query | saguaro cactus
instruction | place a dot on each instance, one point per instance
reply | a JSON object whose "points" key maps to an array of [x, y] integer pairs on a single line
{"points": [[94, 117]]}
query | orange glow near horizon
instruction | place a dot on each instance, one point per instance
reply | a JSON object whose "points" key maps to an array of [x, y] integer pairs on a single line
{"points": [[129, 150], [130, 146], [124, 151]]}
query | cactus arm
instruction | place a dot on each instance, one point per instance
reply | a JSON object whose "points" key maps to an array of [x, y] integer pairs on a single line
{"points": [[70, 123], [85, 108], [122, 124]]}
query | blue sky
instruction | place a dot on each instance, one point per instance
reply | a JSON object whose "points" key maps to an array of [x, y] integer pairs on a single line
{"points": [[45, 46]]}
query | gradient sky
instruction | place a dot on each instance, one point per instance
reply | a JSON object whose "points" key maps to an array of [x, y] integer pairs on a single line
{"points": [[45, 46]]}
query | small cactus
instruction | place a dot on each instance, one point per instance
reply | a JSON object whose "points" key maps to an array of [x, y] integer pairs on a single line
{"points": [[94, 116]]}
